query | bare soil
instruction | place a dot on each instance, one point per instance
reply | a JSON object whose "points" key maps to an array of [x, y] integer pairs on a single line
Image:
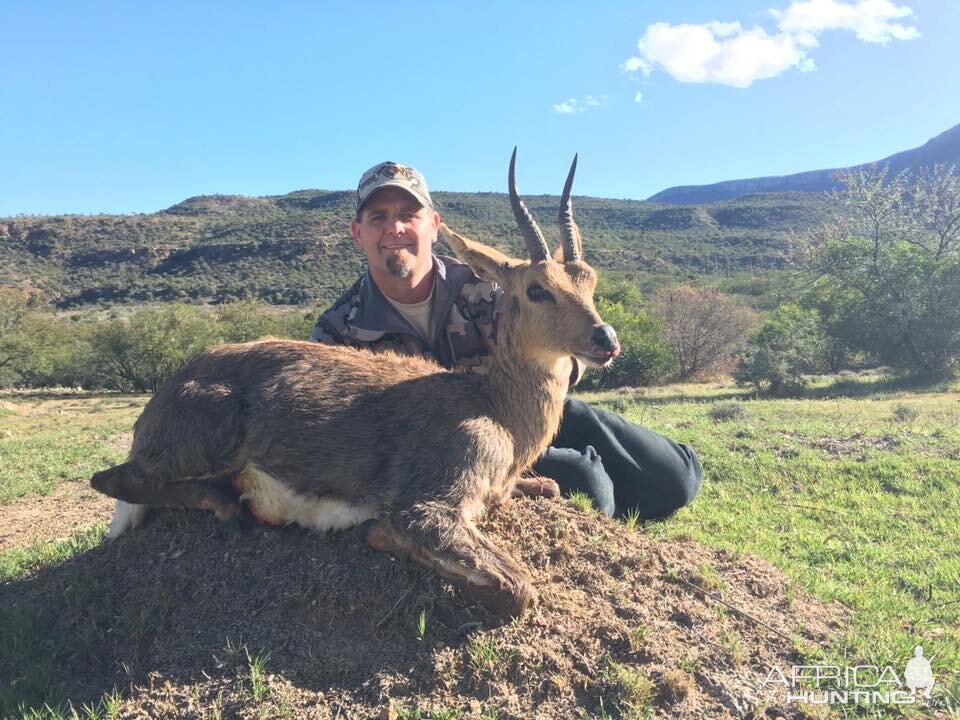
{"points": [[70, 507], [167, 614]]}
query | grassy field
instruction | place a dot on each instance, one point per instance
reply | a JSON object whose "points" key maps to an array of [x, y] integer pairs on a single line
{"points": [[50, 438], [856, 498], [853, 491]]}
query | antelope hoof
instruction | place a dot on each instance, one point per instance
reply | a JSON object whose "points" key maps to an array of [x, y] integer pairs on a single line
{"points": [[495, 582], [536, 486], [509, 602], [361, 533]]}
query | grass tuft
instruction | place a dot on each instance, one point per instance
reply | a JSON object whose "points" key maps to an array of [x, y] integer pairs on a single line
{"points": [[726, 411], [482, 655], [256, 664], [905, 413], [581, 501]]}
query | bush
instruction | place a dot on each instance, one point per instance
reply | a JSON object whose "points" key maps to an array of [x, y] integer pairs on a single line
{"points": [[644, 358], [704, 328], [246, 320], [790, 345], [141, 353], [38, 349]]}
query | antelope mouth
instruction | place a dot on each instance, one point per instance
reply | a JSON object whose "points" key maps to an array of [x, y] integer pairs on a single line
{"points": [[602, 359]]}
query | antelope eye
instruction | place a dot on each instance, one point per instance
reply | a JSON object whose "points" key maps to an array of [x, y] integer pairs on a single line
{"points": [[536, 293]]}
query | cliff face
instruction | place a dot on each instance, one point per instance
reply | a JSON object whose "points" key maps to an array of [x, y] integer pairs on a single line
{"points": [[943, 149]]}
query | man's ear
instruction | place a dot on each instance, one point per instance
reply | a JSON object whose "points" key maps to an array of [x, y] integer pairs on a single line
{"points": [[486, 262], [355, 231]]}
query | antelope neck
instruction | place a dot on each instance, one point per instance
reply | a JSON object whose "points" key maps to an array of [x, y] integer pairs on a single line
{"points": [[527, 395]]}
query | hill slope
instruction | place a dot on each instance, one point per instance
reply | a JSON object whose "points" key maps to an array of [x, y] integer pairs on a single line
{"points": [[943, 149], [296, 248]]}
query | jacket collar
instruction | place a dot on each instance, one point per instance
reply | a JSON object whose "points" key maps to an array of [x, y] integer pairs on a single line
{"points": [[374, 316]]}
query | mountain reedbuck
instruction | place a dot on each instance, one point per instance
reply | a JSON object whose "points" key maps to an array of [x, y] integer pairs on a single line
{"points": [[330, 437]]}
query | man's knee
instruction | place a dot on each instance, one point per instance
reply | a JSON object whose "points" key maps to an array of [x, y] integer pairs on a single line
{"points": [[679, 486], [579, 472]]}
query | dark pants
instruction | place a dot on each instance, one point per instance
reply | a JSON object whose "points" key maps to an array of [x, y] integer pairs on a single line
{"points": [[620, 465]]}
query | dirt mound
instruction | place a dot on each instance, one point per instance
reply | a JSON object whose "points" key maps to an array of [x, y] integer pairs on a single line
{"points": [[181, 615]]}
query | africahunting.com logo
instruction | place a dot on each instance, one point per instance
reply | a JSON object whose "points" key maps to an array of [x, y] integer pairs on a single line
{"points": [[854, 684]]}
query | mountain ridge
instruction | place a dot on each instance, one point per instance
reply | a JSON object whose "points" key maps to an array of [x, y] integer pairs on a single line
{"points": [[941, 149]]}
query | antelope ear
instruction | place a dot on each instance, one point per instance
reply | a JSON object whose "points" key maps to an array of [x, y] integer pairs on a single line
{"points": [[486, 262]]}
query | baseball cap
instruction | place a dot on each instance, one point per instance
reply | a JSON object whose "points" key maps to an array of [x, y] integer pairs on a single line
{"points": [[391, 174]]}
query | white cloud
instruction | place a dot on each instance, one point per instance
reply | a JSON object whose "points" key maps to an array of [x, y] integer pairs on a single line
{"points": [[872, 20], [573, 105], [638, 97], [729, 54], [722, 53]]}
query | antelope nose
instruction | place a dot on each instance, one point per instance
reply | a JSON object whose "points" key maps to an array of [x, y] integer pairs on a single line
{"points": [[605, 338]]}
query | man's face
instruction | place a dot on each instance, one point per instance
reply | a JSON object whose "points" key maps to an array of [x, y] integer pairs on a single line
{"points": [[396, 233]]}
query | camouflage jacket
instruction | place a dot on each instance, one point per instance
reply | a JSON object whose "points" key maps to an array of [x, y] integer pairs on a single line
{"points": [[465, 314]]}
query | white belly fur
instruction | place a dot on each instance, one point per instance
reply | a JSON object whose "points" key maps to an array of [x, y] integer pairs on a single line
{"points": [[273, 502]]}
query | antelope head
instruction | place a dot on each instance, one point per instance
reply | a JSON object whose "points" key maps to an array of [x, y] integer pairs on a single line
{"points": [[549, 312]]}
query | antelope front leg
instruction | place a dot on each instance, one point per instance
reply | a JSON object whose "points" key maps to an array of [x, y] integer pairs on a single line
{"points": [[467, 559], [535, 486]]}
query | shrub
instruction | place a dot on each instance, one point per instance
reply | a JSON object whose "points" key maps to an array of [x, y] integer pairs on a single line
{"points": [[703, 328], [141, 353], [789, 345]]}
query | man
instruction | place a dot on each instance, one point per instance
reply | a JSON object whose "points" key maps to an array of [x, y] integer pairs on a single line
{"points": [[412, 301]]}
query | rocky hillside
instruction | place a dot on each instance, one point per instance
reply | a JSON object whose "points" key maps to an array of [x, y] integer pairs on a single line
{"points": [[296, 248]]}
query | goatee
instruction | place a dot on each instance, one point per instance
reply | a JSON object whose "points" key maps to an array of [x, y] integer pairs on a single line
{"points": [[398, 266]]}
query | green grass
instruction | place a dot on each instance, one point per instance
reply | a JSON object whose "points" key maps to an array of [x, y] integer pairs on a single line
{"points": [[25, 645], [48, 440], [18, 562], [256, 665], [107, 708], [855, 498], [582, 501]]}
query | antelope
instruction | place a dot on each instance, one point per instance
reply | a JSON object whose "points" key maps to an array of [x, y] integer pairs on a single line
{"points": [[332, 437]]}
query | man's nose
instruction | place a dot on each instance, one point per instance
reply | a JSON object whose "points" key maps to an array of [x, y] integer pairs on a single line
{"points": [[397, 227]]}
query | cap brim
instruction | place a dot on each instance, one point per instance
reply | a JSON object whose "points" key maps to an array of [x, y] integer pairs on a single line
{"points": [[390, 183]]}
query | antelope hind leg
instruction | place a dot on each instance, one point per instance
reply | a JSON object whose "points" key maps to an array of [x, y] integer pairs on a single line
{"points": [[471, 562], [125, 483]]}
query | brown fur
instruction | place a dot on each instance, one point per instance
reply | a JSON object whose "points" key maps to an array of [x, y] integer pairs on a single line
{"points": [[428, 448]]}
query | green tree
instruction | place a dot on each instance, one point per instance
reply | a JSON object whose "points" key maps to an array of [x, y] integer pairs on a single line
{"points": [[886, 275]]}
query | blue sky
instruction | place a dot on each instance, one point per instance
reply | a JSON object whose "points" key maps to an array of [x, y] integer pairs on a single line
{"points": [[125, 107]]}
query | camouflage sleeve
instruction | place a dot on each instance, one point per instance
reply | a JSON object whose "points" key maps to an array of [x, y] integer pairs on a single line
{"points": [[331, 325], [324, 332]]}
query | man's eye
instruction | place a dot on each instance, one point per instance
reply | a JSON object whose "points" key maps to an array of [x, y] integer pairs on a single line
{"points": [[537, 293], [376, 217]]}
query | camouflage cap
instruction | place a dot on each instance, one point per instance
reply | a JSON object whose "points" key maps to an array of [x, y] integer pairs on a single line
{"points": [[391, 174]]}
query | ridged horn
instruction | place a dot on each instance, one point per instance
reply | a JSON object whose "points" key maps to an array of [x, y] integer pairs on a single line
{"points": [[569, 232], [532, 236]]}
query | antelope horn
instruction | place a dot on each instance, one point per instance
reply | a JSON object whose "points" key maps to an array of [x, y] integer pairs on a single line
{"points": [[532, 236], [569, 233]]}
